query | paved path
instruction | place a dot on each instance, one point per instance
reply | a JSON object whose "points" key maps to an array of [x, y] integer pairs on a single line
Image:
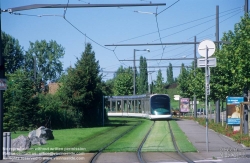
{"points": [[219, 146]]}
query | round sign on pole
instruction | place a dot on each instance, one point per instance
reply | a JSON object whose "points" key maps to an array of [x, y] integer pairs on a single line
{"points": [[206, 45]]}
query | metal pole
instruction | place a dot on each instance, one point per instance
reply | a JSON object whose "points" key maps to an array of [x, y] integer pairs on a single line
{"points": [[206, 93], [195, 60], [134, 74], [218, 46], [103, 106], [1, 94], [246, 6]]}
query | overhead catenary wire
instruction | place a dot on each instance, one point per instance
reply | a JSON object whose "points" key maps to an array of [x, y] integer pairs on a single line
{"points": [[85, 35], [167, 8], [194, 26], [158, 29], [238, 8], [157, 25], [214, 25], [65, 10]]}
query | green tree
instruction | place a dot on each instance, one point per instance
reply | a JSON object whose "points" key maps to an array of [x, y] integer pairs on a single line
{"points": [[123, 83], [159, 84], [81, 89], [107, 87], [12, 52], [143, 77], [20, 105], [183, 81], [42, 60], [170, 76]]}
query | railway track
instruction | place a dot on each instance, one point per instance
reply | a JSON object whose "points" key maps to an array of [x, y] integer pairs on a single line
{"points": [[94, 158], [176, 147], [139, 155]]}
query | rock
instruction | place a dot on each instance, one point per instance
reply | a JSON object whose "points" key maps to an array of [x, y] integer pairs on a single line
{"points": [[37, 141], [42, 132], [20, 143]]}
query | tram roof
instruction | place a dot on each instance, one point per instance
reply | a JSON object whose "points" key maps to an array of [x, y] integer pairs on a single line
{"points": [[128, 97]]}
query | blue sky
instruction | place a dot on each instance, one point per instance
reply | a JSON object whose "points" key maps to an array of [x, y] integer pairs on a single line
{"points": [[179, 23]]}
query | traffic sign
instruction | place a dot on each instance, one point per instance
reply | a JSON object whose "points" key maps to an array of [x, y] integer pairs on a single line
{"points": [[206, 47], [211, 62]]}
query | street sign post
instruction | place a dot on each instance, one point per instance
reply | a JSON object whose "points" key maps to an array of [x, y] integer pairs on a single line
{"points": [[206, 49]]}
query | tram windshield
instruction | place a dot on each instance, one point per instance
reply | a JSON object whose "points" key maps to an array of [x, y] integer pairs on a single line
{"points": [[160, 104]]}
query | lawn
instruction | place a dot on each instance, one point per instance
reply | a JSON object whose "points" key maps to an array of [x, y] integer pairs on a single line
{"points": [[87, 139]]}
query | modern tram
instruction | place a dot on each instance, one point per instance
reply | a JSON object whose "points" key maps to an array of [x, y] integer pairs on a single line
{"points": [[151, 106]]}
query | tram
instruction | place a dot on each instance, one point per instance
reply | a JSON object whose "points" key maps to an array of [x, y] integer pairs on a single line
{"points": [[160, 107], [151, 106]]}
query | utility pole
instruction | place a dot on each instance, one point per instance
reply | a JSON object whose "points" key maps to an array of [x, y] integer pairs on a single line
{"points": [[195, 61], [218, 47], [246, 6], [134, 78], [1, 93], [245, 117]]}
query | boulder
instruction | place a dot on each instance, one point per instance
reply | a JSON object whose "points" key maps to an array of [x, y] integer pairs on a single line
{"points": [[21, 143], [42, 132], [37, 141]]}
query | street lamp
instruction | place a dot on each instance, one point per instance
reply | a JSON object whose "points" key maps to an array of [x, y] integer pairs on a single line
{"points": [[135, 67]]}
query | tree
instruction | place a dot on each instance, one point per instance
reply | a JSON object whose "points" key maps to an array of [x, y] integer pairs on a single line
{"points": [[12, 52], [183, 81], [170, 77], [143, 77], [81, 89], [20, 105], [42, 60], [159, 85], [107, 87], [232, 74], [123, 83]]}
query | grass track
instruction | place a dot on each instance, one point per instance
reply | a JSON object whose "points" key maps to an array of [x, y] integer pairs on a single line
{"points": [[104, 139], [131, 141], [159, 139]]}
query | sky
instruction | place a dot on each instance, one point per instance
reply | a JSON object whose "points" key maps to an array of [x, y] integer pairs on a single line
{"points": [[177, 21]]}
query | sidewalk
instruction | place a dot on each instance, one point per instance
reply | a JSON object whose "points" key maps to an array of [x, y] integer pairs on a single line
{"points": [[218, 145]]}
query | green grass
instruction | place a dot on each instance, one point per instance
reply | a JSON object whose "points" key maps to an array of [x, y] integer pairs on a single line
{"points": [[181, 139], [68, 138], [81, 137], [18, 133], [159, 139], [131, 141]]}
